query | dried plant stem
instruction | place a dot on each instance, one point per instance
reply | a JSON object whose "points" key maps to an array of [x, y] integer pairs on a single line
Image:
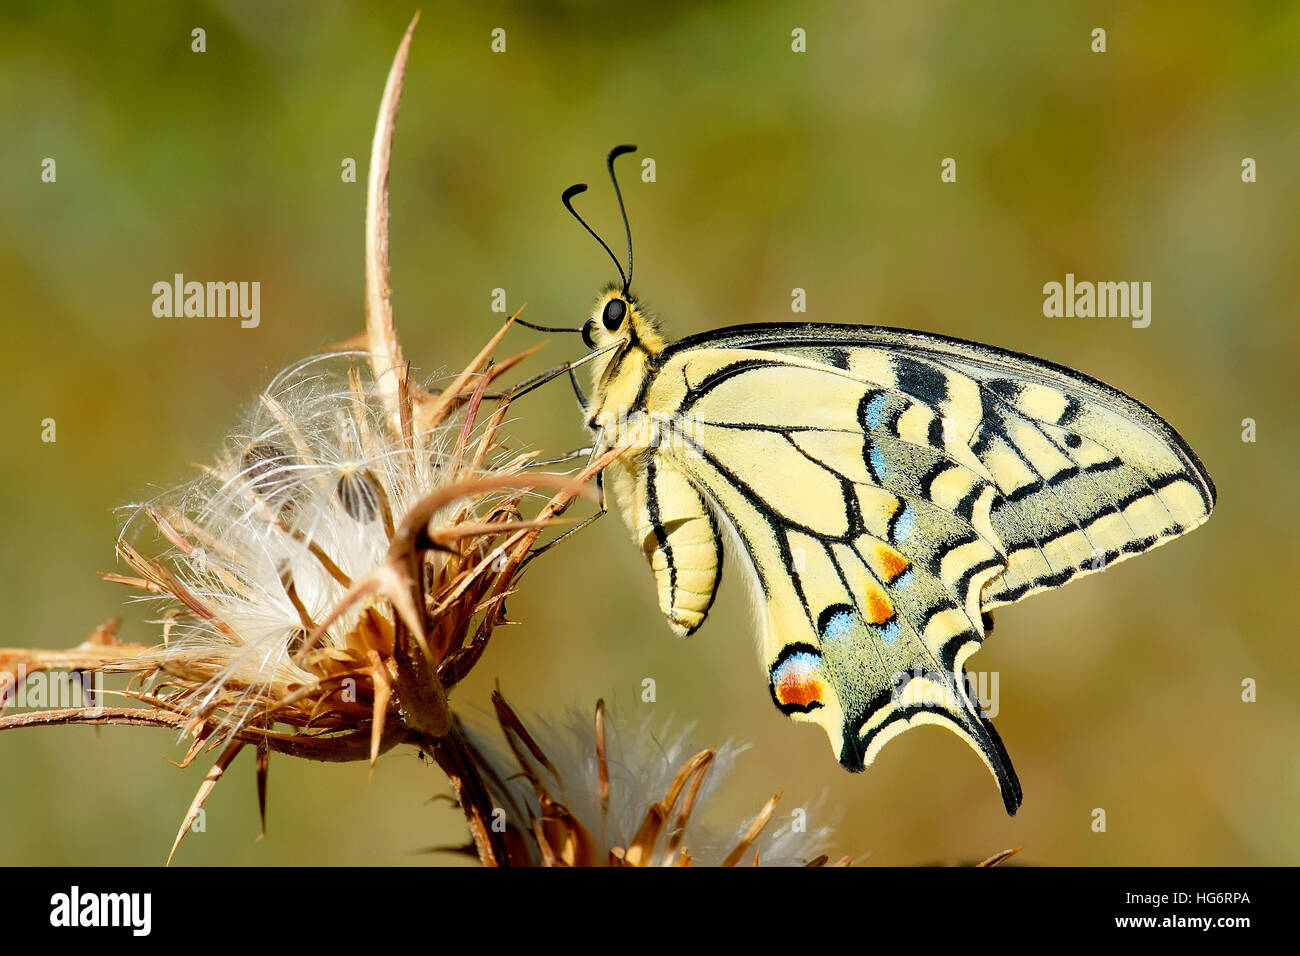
{"points": [[385, 349], [456, 758], [335, 748]]}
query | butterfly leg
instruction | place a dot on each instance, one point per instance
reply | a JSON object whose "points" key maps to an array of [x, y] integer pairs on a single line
{"points": [[578, 393], [541, 378], [568, 456], [601, 511]]}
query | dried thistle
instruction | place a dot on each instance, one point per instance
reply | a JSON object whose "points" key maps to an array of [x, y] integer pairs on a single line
{"points": [[607, 793], [340, 569]]}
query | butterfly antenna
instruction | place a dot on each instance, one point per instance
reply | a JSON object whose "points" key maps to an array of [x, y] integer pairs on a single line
{"points": [[543, 328], [567, 199], [614, 154]]}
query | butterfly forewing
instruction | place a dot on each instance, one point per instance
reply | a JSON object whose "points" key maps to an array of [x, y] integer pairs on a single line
{"points": [[1084, 475]]}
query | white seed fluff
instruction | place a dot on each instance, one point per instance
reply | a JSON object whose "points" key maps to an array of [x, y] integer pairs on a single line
{"points": [[300, 503]]}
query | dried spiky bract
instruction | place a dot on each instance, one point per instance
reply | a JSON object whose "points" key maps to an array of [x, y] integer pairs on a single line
{"points": [[611, 793]]}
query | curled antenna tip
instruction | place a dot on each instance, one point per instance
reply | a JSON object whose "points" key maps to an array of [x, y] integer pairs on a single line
{"points": [[566, 197], [571, 192]]}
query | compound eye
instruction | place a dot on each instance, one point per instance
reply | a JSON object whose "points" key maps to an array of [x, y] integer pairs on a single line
{"points": [[615, 309]]}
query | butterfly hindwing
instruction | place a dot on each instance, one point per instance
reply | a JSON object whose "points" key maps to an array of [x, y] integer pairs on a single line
{"points": [[869, 551]]}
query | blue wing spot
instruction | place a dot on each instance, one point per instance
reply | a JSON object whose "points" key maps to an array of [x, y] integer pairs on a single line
{"points": [[903, 524], [877, 463], [801, 663], [889, 633], [904, 579], [839, 624], [875, 410]]}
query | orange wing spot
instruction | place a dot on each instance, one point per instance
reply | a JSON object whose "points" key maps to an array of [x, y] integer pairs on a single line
{"points": [[892, 564], [799, 687], [879, 610]]}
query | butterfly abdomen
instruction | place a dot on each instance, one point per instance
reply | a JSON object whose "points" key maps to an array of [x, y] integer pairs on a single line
{"points": [[678, 535]]}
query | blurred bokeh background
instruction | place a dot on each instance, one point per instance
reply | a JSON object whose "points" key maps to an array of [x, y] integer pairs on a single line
{"points": [[775, 170]]}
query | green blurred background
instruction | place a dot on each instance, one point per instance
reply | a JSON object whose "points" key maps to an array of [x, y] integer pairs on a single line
{"points": [[775, 170]]}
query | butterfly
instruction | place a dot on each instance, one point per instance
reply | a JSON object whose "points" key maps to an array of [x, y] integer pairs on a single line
{"points": [[882, 489]]}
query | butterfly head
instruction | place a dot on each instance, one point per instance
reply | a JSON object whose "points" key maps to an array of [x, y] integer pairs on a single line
{"points": [[624, 340], [618, 320]]}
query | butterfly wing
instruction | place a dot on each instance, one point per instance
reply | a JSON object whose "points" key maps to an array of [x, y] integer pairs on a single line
{"points": [[1086, 476], [887, 494]]}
